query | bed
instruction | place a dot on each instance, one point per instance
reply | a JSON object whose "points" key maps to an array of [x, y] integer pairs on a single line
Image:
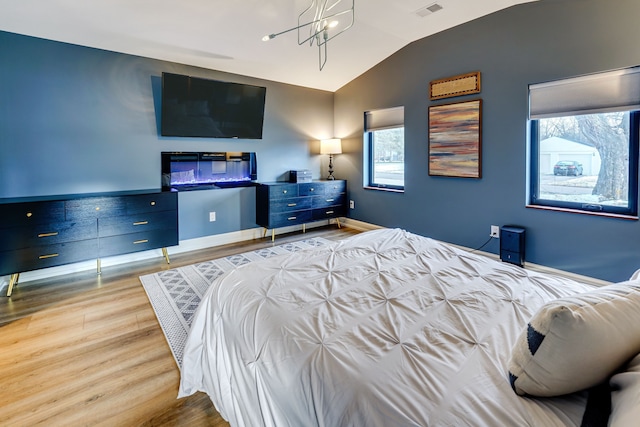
{"points": [[388, 328]]}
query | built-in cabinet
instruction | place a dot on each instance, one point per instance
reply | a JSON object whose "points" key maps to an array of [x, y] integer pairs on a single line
{"points": [[40, 232], [280, 204]]}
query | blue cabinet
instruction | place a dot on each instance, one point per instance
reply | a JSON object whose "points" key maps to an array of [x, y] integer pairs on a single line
{"points": [[40, 232], [280, 204]]}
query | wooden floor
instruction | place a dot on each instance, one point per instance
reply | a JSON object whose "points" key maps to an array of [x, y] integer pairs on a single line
{"points": [[84, 349]]}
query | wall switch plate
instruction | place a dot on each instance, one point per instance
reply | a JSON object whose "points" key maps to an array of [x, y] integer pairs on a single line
{"points": [[495, 231], [212, 216], [352, 204]]}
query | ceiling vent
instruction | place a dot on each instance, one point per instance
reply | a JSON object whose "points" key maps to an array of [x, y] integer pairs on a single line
{"points": [[428, 10]]}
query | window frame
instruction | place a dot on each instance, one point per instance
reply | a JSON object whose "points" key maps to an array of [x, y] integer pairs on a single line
{"points": [[630, 211], [374, 121], [371, 167]]}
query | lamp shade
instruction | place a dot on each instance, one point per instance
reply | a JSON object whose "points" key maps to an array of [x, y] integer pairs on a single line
{"points": [[331, 146]]}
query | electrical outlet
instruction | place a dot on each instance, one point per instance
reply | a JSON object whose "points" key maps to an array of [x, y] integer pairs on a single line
{"points": [[352, 204], [212, 216], [495, 231]]}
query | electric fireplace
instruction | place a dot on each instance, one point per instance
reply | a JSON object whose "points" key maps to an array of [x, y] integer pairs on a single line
{"points": [[197, 170]]}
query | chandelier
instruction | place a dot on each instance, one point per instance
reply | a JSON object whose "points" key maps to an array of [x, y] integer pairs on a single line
{"points": [[325, 20]]}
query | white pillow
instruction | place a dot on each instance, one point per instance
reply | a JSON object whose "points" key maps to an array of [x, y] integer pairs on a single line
{"points": [[625, 396], [576, 342]]}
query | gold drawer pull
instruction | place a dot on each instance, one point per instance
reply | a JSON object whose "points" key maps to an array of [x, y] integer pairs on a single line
{"points": [[97, 208], [141, 223], [137, 242], [330, 200], [55, 233], [312, 189], [291, 218], [292, 205], [329, 212], [29, 214], [153, 203], [284, 191], [47, 256]]}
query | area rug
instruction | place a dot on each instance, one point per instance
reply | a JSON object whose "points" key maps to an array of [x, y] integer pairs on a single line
{"points": [[175, 294]]}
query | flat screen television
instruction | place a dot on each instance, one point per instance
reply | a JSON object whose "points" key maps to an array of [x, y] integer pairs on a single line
{"points": [[196, 107]]}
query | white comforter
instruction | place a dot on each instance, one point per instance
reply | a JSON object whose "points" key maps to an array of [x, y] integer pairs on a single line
{"points": [[383, 329]]}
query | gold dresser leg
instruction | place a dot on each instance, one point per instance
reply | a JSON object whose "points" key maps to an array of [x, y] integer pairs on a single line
{"points": [[338, 221], [166, 255], [273, 235], [12, 281], [98, 266]]}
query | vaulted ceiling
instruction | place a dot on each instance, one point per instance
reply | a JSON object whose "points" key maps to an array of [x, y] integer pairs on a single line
{"points": [[226, 35]]}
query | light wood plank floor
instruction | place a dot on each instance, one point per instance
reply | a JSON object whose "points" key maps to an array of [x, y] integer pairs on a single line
{"points": [[84, 349]]}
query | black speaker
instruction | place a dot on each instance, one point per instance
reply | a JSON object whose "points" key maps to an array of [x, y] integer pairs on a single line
{"points": [[512, 244]]}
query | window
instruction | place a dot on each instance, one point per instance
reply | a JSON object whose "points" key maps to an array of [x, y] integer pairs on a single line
{"points": [[384, 148], [584, 143]]}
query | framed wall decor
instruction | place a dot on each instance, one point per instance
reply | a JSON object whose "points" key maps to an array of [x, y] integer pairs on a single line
{"points": [[464, 84], [455, 139]]}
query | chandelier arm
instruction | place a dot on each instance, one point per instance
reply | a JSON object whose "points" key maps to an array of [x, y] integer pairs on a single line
{"points": [[321, 63], [318, 18], [341, 31]]}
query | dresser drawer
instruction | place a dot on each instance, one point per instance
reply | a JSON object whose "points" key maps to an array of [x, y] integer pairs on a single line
{"points": [[135, 242], [311, 189], [47, 256], [290, 204], [94, 207], [290, 218], [329, 200], [47, 234], [136, 223], [31, 213], [152, 203], [334, 187], [275, 192], [328, 212]]}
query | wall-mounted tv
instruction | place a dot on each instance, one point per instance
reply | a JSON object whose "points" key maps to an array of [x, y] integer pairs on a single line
{"points": [[197, 107]]}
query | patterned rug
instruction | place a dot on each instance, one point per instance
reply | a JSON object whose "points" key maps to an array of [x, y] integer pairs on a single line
{"points": [[175, 294]]}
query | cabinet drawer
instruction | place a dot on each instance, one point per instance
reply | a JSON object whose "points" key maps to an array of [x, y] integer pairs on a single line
{"points": [[329, 200], [328, 212], [152, 203], [137, 223], [335, 187], [94, 207], [135, 242], [47, 234], [311, 189], [30, 213], [289, 218], [282, 191], [290, 204], [47, 256]]}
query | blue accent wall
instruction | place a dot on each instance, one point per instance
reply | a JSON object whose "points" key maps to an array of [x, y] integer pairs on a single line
{"points": [[77, 120], [529, 43]]}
